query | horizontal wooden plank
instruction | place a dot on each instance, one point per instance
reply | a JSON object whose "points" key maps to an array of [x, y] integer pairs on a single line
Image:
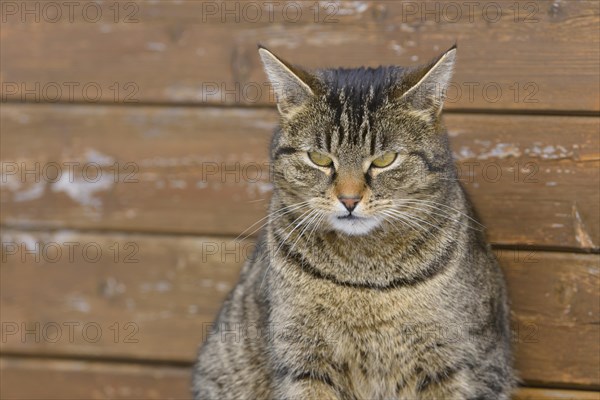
{"points": [[555, 304], [553, 394], [76, 380], [74, 294], [205, 52], [93, 380], [205, 171]]}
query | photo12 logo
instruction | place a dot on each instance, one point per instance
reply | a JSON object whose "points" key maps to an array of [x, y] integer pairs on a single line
{"points": [[68, 332], [52, 12], [469, 11], [273, 11], [71, 252], [68, 172], [69, 92]]}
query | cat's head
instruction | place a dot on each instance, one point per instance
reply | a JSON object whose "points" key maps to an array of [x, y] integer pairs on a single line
{"points": [[355, 144]]}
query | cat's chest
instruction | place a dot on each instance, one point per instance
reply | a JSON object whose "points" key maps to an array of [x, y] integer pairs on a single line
{"points": [[374, 337], [379, 362]]}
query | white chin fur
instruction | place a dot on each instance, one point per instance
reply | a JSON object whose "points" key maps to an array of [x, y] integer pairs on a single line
{"points": [[354, 227]]}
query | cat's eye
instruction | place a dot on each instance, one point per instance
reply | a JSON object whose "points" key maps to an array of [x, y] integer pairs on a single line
{"points": [[385, 160], [320, 159]]}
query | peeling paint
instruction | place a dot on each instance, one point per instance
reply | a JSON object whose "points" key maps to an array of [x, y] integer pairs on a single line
{"points": [[159, 287], [111, 287], [30, 242], [549, 152], [397, 48], [346, 7], [484, 149], [201, 184], [34, 192], [265, 187], [79, 303], [178, 183], [156, 46], [82, 191], [500, 150], [10, 182], [96, 157]]}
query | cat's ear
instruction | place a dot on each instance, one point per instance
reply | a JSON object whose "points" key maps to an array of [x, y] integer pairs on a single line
{"points": [[427, 85], [290, 84]]}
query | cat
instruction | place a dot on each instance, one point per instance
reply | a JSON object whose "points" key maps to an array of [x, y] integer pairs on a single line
{"points": [[372, 279]]}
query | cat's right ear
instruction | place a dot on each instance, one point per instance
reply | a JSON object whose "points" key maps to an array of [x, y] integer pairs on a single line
{"points": [[290, 84], [428, 84]]}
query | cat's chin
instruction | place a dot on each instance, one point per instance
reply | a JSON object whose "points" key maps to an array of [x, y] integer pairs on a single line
{"points": [[355, 226]]}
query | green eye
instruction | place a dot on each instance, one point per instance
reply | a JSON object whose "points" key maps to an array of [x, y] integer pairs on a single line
{"points": [[384, 161], [320, 159]]}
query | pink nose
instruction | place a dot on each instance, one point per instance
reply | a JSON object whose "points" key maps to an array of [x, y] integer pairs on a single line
{"points": [[350, 202]]}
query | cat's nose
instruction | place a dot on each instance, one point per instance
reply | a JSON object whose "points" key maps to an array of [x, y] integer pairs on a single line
{"points": [[350, 202]]}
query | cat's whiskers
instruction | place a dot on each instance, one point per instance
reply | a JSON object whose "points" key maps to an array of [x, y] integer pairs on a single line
{"points": [[295, 225], [451, 208], [304, 215], [316, 225], [412, 218], [278, 213], [392, 219], [404, 218], [439, 214], [315, 215], [435, 205], [267, 254]]}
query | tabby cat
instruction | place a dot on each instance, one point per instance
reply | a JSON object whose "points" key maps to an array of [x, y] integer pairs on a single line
{"points": [[372, 279]]}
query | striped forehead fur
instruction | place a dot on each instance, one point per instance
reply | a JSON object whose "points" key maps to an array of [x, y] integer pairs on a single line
{"points": [[355, 94]]}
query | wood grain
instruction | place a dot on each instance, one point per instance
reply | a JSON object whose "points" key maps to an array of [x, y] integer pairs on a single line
{"points": [[114, 302], [553, 394], [555, 301], [62, 380], [545, 54], [126, 303], [534, 180], [29, 379]]}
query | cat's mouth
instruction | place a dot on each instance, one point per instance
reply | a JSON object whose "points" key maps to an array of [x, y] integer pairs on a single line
{"points": [[349, 217], [351, 224]]}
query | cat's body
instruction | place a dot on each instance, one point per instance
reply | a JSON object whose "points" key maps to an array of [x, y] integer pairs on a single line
{"points": [[376, 306]]}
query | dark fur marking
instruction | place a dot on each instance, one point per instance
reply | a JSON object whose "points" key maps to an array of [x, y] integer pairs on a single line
{"points": [[444, 375], [372, 145], [368, 179], [328, 136], [284, 151], [437, 265], [309, 375], [332, 177], [430, 166]]}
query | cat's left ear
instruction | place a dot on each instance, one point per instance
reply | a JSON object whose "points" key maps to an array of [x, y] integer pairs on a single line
{"points": [[429, 84], [292, 85]]}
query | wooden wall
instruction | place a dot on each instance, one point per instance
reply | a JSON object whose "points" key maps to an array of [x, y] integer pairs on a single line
{"points": [[133, 147]]}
